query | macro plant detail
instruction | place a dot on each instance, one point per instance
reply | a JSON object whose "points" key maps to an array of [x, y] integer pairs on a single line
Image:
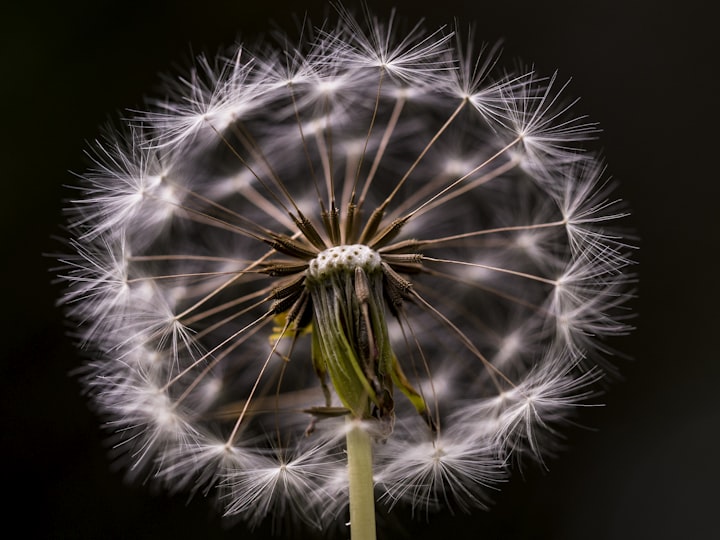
{"points": [[366, 267]]}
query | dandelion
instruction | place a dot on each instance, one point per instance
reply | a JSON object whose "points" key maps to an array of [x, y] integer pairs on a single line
{"points": [[364, 268]]}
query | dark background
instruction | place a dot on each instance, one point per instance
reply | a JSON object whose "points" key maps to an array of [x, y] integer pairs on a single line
{"points": [[646, 70]]}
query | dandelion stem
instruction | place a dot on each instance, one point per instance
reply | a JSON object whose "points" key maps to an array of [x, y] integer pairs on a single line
{"points": [[360, 474]]}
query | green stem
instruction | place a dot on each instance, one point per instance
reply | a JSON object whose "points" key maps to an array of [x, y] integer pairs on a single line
{"points": [[360, 473]]}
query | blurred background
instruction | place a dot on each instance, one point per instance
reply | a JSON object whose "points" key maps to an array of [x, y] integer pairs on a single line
{"points": [[647, 464]]}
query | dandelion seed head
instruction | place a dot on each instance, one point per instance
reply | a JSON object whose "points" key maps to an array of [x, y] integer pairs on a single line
{"points": [[361, 223]]}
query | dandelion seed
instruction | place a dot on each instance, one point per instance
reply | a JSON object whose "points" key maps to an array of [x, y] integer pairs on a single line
{"points": [[363, 269]]}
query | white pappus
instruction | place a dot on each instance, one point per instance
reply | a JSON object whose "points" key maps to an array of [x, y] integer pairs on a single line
{"points": [[360, 223]]}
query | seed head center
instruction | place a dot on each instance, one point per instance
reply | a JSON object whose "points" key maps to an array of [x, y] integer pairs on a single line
{"points": [[345, 258]]}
